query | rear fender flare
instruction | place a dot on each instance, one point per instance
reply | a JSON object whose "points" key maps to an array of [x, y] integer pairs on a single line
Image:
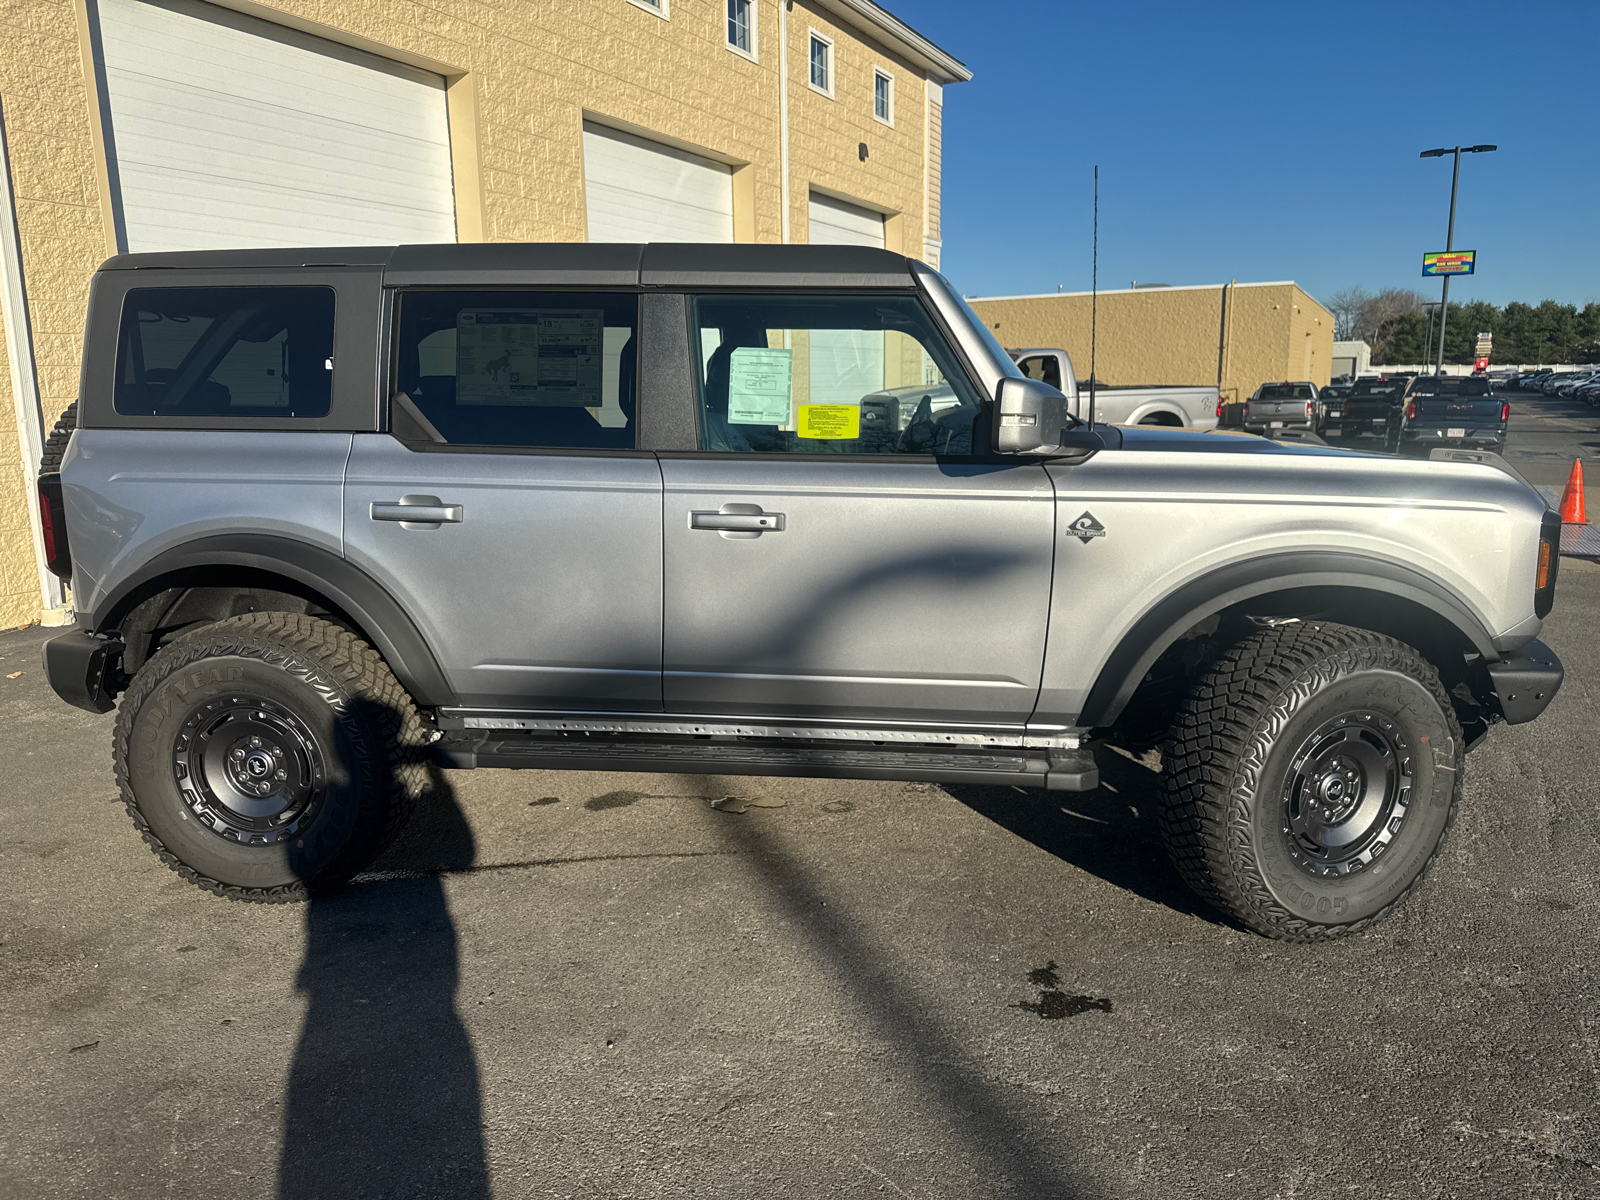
{"points": [[1170, 618], [376, 614]]}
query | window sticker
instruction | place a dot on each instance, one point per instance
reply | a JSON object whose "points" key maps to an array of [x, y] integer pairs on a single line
{"points": [[529, 356], [759, 386], [842, 421]]}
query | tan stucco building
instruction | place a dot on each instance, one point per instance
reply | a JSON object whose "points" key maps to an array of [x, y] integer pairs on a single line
{"points": [[1236, 335], [177, 124]]}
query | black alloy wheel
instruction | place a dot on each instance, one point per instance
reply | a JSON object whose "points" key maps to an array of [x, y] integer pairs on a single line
{"points": [[249, 769], [1346, 794]]}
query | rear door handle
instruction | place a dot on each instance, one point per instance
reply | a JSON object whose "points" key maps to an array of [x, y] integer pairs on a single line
{"points": [[417, 512]]}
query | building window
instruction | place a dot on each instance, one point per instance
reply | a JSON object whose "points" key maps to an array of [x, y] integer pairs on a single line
{"points": [[883, 96], [742, 27], [821, 63], [659, 7]]}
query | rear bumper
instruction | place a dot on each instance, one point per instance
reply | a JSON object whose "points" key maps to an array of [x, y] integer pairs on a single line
{"points": [[1476, 439], [77, 664], [1526, 681]]}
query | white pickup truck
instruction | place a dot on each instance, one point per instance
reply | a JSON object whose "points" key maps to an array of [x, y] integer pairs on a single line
{"points": [[1186, 407]]}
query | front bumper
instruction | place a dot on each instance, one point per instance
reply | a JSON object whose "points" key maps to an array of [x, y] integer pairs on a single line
{"points": [[77, 665], [1526, 682]]}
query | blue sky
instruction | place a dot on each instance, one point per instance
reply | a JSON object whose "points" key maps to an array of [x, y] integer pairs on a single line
{"points": [[1257, 141]]}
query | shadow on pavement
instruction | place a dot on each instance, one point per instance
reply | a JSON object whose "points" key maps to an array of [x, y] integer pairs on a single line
{"points": [[383, 1096], [985, 1117], [1111, 832]]}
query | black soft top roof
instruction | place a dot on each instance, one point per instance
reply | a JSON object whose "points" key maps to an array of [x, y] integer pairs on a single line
{"points": [[579, 264]]}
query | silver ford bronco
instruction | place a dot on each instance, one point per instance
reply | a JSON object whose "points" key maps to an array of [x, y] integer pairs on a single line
{"points": [[333, 517]]}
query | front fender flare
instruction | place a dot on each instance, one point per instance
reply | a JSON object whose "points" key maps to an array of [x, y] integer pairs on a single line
{"points": [[1226, 586], [351, 590]]}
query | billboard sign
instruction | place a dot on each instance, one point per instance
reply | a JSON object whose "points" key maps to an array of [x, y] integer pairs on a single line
{"points": [[1449, 262]]}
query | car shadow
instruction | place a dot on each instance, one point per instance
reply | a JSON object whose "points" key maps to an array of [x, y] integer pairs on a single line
{"points": [[383, 1097], [1111, 832]]}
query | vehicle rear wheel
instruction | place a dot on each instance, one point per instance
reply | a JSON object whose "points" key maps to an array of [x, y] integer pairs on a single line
{"points": [[268, 756], [1311, 777]]}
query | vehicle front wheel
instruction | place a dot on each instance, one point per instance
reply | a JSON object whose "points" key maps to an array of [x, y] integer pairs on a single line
{"points": [[268, 756], [1310, 779]]}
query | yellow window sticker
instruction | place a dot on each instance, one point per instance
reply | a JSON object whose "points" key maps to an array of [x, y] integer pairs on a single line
{"points": [[830, 421]]}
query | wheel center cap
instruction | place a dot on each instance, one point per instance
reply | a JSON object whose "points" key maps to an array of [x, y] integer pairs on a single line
{"points": [[258, 764]]}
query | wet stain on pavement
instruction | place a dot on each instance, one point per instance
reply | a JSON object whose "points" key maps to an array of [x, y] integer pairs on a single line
{"points": [[614, 800], [1053, 1004]]}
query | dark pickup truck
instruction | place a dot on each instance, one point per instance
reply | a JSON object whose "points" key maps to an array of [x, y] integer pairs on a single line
{"points": [[1365, 412], [1450, 411]]}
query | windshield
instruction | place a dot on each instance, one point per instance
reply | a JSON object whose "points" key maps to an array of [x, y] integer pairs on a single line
{"points": [[1286, 391]]}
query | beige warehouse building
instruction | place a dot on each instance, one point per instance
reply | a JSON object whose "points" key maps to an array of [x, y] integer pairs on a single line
{"points": [[1236, 336], [140, 125]]}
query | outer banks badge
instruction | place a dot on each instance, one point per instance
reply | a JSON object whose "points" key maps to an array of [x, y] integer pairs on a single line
{"points": [[1086, 528]]}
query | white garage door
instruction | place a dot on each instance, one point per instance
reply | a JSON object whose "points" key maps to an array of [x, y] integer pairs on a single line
{"points": [[852, 359], [231, 131], [835, 223], [642, 191]]}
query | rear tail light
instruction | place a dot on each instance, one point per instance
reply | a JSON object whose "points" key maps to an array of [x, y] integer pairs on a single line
{"points": [[1549, 563], [1505, 412], [53, 526], [1308, 410], [1411, 411]]}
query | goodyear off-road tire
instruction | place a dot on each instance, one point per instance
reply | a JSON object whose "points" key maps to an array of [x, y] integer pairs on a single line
{"points": [[1310, 779], [268, 756], [56, 444]]}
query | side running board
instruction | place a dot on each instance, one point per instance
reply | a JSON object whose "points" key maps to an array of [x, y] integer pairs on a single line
{"points": [[1057, 770]]}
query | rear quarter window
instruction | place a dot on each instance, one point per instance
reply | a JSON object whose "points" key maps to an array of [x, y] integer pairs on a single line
{"points": [[225, 352]]}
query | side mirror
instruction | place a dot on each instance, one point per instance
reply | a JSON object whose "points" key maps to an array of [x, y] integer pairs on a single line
{"points": [[1029, 417]]}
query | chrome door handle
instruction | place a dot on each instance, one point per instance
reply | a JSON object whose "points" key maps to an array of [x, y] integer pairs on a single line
{"points": [[417, 512]]}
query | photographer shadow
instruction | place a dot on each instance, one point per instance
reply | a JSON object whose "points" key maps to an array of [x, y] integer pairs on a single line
{"points": [[383, 1097], [1112, 832]]}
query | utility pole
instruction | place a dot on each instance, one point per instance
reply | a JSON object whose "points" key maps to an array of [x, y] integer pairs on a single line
{"points": [[1450, 233]]}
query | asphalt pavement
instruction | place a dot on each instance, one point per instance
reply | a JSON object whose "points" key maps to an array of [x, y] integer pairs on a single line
{"points": [[586, 985]]}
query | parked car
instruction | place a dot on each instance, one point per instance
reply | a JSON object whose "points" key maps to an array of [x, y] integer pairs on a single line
{"points": [[1288, 406], [1448, 411], [1366, 411], [1578, 380], [1186, 407], [578, 507]]}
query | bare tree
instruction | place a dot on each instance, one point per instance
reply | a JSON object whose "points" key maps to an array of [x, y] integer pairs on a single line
{"points": [[1378, 315], [1345, 304]]}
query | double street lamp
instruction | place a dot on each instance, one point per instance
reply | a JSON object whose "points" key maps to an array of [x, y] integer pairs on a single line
{"points": [[1450, 234]]}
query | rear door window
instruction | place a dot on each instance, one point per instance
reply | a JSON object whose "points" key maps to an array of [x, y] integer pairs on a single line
{"points": [[539, 370], [226, 352]]}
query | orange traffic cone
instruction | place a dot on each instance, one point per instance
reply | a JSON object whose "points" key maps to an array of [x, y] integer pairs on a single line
{"points": [[1572, 499]]}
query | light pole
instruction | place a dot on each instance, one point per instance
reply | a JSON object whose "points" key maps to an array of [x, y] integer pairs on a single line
{"points": [[1450, 234]]}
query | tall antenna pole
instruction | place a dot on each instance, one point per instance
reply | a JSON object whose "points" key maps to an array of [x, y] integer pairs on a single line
{"points": [[1094, 293]]}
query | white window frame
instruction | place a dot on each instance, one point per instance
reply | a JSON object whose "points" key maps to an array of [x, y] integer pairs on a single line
{"points": [[888, 77], [754, 53], [659, 8], [812, 38]]}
